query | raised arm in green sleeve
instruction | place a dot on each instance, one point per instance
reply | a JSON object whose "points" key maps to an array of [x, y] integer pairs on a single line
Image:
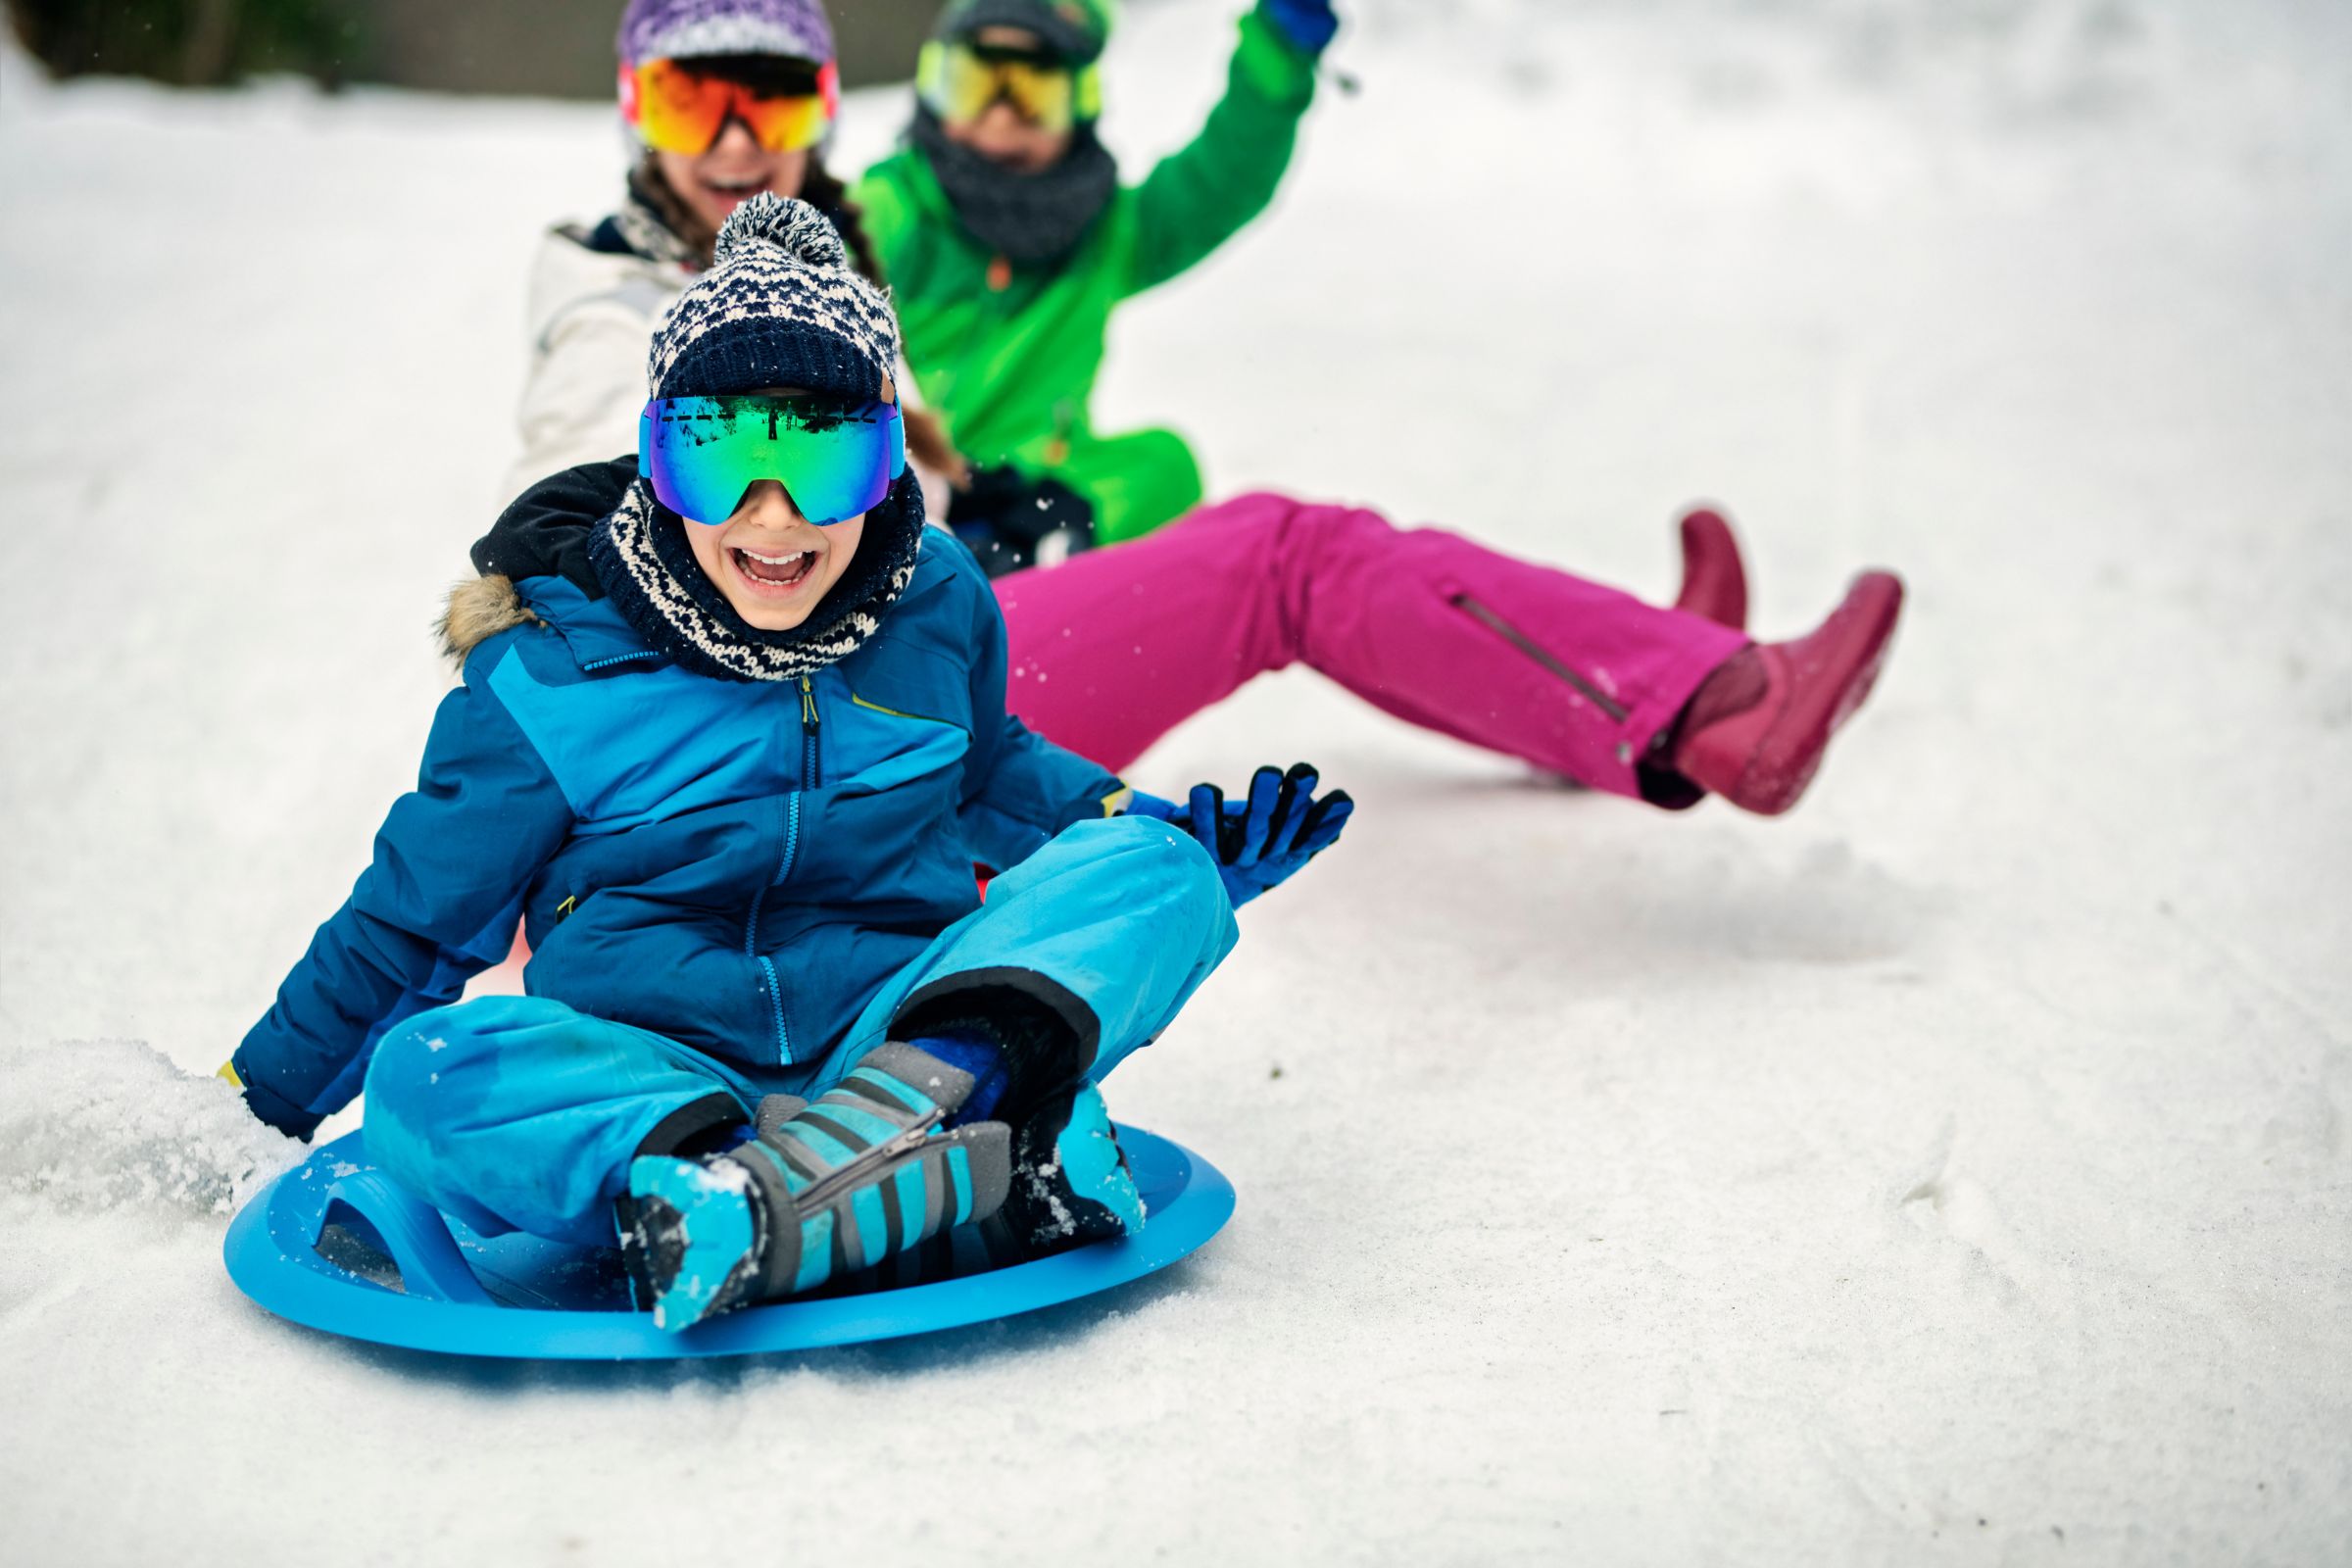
{"points": [[1201, 196]]}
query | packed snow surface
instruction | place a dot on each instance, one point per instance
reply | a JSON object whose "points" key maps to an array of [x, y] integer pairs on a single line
{"points": [[1954, 1172]]}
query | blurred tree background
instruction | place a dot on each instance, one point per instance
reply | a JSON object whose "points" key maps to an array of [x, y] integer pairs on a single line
{"points": [[548, 48]]}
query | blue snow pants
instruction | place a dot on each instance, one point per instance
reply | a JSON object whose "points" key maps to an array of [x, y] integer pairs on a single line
{"points": [[519, 1113]]}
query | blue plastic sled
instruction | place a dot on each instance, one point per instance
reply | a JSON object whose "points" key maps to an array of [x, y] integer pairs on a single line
{"points": [[336, 1244]]}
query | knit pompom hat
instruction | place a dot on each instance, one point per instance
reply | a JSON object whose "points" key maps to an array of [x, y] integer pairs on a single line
{"points": [[687, 29], [781, 306]]}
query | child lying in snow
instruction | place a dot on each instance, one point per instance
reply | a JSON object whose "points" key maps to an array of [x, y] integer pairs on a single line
{"points": [[737, 800]]}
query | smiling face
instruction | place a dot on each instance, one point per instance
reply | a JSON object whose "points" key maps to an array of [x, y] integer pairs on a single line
{"points": [[735, 167], [773, 565]]}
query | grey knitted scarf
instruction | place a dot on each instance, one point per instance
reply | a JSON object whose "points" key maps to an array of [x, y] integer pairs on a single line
{"points": [[1032, 218]]}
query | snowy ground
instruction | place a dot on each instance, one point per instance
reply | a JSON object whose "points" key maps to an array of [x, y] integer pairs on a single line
{"points": [[1954, 1172]]}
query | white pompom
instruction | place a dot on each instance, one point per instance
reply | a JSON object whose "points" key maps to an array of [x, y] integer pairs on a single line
{"points": [[797, 229]]}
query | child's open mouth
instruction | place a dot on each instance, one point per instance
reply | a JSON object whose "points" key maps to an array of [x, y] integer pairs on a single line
{"points": [[774, 574], [734, 192]]}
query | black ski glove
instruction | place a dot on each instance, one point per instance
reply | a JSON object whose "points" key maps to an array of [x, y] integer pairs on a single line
{"points": [[1009, 519]]}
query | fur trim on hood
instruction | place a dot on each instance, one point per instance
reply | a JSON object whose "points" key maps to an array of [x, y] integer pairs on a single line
{"points": [[479, 610]]}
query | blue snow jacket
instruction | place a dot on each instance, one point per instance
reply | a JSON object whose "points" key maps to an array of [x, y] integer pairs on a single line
{"points": [[737, 866]]}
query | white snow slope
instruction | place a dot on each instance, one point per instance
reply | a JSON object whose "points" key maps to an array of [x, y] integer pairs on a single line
{"points": [[1954, 1172]]}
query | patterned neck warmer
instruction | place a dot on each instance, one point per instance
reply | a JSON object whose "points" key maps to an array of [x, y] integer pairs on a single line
{"points": [[641, 556], [1031, 219]]}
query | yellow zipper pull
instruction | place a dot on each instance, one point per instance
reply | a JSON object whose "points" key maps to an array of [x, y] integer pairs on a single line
{"points": [[807, 704]]}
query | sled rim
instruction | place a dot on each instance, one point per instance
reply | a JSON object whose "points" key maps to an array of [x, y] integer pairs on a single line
{"points": [[271, 1257]]}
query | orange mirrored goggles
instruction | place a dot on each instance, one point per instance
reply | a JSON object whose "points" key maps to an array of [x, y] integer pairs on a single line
{"points": [[680, 106]]}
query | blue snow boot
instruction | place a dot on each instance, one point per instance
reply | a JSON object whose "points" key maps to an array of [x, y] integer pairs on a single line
{"points": [[1070, 1181], [823, 1190]]}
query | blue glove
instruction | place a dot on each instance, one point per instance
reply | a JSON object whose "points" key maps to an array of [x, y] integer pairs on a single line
{"points": [[1307, 24], [1260, 842]]}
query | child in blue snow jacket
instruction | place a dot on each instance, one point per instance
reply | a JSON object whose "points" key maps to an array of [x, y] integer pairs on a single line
{"points": [[772, 1035]]}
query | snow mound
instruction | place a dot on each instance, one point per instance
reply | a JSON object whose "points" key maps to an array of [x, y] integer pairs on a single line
{"points": [[112, 1124]]}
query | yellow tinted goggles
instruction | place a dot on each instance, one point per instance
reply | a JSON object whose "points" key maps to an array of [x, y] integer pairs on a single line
{"points": [[959, 81]]}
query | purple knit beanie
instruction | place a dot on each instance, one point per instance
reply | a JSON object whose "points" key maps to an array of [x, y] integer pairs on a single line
{"points": [[684, 29]]}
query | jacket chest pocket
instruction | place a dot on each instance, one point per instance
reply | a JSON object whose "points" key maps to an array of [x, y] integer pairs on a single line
{"points": [[882, 734]]}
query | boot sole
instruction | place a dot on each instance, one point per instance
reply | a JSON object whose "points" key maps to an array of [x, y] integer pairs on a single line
{"points": [[1805, 728], [1083, 1191], [1093, 1164], [1763, 760], [698, 1239]]}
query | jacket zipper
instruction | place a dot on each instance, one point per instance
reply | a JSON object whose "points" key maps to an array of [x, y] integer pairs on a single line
{"points": [[792, 846], [807, 733], [617, 658], [1542, 656]]}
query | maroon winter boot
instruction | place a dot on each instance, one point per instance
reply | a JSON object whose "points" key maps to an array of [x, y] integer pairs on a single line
{"points": [[1714, 582], [1754, 733]]}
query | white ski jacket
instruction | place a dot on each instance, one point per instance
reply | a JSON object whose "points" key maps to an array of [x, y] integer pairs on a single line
{"points": [[591, 316]]}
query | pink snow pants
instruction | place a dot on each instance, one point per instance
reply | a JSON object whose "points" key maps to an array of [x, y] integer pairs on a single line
{"points": [[1116, 647]]}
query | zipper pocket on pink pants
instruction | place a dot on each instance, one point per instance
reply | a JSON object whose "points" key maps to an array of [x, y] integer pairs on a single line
{"points": [[1527, 645]]}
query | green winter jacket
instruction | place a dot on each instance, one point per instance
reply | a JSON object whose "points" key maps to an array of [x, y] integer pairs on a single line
{"points": [[1007, 355]]}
